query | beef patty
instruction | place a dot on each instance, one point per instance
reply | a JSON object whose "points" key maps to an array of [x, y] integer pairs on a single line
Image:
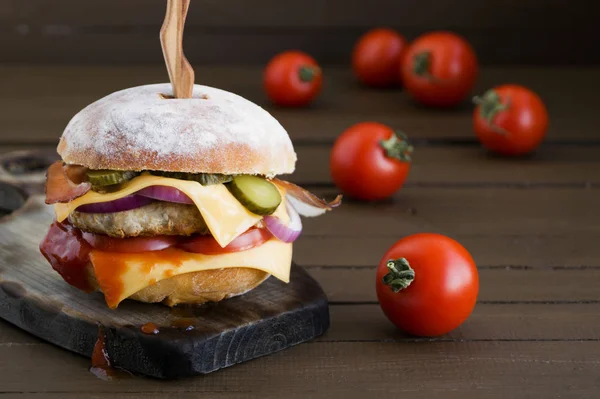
{"points": [[157, 218]]}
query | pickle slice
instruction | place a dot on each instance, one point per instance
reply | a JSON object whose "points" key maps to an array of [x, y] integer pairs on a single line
{"points": [[101, 178], [255, 193], [206, 179]]}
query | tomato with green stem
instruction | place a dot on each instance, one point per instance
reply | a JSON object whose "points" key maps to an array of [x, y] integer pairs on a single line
{"points": [[427, 284], [292, 79], [370, 161], [510, 120], [439, 69]]}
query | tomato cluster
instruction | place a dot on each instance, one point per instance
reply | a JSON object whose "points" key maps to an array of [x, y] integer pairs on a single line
{"points": [[427, 284], [437, 69]]}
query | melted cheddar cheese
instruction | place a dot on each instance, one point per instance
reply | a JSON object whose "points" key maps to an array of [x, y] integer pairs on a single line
{"points": [[120, 275]]}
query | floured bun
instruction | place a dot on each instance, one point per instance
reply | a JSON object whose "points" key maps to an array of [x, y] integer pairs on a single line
{"points": [[142, 129]]}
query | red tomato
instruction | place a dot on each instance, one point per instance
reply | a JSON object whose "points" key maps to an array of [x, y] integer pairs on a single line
{"points": [[376, 57], [128, 245], [439, 69], [370, 161], [292, 79], [510, 120], [206, 244], [443, 291]]}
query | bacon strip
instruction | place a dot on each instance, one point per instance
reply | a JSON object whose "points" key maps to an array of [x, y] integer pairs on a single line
{"points": [[306, 203], [65, 183]]}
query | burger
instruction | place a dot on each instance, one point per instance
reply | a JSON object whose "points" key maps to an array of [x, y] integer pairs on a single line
{"points": [[159, 199]]}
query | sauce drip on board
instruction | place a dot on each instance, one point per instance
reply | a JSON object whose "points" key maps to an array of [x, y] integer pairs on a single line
{"points": [[101, 367], [150, 329]]}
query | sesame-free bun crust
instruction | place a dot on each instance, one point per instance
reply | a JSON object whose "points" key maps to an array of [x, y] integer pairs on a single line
{"points": [[142, 129], [201, 287], [197, 288]]}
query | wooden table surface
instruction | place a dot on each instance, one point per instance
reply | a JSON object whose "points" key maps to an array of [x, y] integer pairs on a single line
{"points": [[532, 225]]}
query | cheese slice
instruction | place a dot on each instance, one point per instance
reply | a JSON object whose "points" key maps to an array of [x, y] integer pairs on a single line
{"points": [[120, 275], [225, 217]]}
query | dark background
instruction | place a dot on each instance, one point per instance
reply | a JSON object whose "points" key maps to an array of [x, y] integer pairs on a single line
{"points": [[503, 32]]}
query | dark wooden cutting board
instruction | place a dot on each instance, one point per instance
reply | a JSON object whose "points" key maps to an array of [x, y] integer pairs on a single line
{"points": [[270, 318]]}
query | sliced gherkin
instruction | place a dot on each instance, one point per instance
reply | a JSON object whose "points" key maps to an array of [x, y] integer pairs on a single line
{"points": [[206, 179], [256, 193], [101, 178]]}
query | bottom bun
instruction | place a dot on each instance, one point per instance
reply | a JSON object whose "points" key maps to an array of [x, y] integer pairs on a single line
{"points": [[179, 277], [196, 288], [201, 287]]}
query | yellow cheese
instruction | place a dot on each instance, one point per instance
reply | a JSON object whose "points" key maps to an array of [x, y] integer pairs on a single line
{"points": [[225, 217], [121, 275]]}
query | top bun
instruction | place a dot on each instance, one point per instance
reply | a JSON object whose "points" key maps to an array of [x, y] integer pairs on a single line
{"points": [[142, 129]]}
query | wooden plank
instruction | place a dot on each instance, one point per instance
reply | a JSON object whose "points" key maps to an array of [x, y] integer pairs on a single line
{"points": [[310, 13], [348, 285], [38, 102], [572, 250], [61, 44], [99, 31], [272, 317], [486, 323], [471, 165], [489, 322], [471, 211], [351, 370]]}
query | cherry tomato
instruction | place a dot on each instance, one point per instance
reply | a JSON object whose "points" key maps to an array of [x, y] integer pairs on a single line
{"points": [[510, 120], [439, 69], [427, 284], [376, 57], [206, 244], [292, 79], [370, 161], [128, 245]]}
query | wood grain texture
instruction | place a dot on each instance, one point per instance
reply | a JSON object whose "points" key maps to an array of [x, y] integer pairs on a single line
{"points": [[468, 166], [272, 317], [38, 102], [180, 71], [96, 31], [489, 322], [497, 285], [310, 13], [480, 211], [350, 370], [543, 250]]}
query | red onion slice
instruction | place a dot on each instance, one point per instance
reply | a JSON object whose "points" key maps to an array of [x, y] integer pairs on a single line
{"points": [[122, 204], [164, 193], [282, 231]]}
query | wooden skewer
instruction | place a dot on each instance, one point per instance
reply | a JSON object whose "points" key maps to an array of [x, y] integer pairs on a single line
{"points": [[180, 71]]}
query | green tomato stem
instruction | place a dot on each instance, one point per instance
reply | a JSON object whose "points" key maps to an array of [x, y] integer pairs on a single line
{"points": [[398, 147], [400, 275]]}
